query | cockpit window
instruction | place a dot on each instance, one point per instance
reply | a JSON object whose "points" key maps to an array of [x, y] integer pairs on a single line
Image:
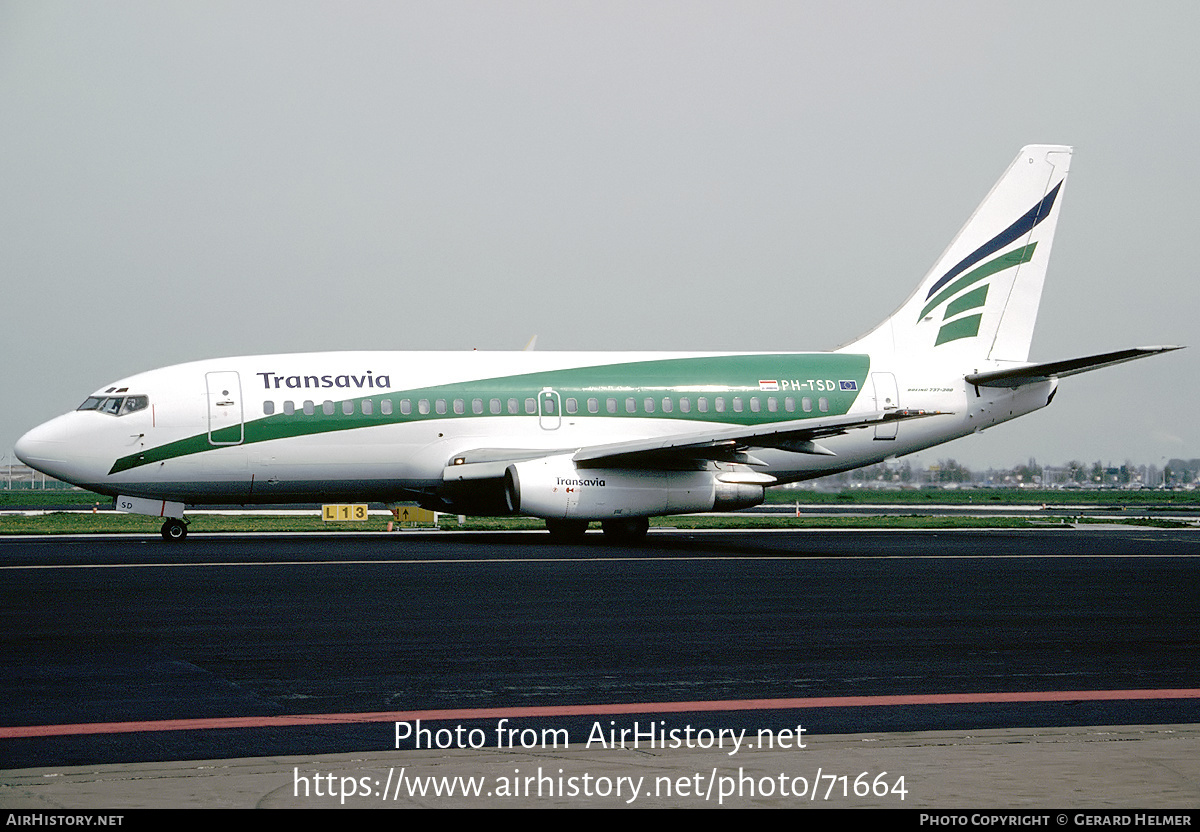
{"points": [[134, 404], [116, 405]]}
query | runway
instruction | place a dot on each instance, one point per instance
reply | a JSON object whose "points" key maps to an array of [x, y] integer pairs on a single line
{"points": [[932, 631]]}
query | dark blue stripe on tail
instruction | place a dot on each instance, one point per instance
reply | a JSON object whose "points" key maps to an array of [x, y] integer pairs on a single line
{"points": [[1019, 228]]}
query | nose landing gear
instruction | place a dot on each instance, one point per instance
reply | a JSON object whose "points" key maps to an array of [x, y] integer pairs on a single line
{"points": [[173, 529]]}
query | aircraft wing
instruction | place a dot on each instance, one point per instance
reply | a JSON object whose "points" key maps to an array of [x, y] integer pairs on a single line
{"points": [[1034, 373], [727, 444]]}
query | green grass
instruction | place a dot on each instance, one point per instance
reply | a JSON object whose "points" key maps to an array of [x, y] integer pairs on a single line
{"points": [[36, 498], [908, 517], [87, 523]]}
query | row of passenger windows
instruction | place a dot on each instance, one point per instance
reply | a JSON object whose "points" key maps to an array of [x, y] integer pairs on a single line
{"points": [[514, 407]]}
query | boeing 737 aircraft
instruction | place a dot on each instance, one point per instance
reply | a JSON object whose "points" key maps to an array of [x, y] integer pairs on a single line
{"points": [[579, 437]]}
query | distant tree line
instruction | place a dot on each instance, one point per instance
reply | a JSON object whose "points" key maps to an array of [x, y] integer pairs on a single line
{"points": [[1174, 474]]}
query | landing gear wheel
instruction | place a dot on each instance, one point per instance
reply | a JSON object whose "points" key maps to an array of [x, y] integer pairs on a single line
{"points": [[566, 531], [173, 530], [627, 530]]}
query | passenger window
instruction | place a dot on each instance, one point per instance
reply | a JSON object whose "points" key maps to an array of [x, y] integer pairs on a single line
{"points": [[806, 403], [610, 405], [405, 407], [789, 404], [685, 405], [649, 404], [347, 408], [494, 407], [289, 408], [702, 404], [755, 406], [737, 404], [513, 407], [530, 407], [423, 407], [720, 402], [572, 406], [327, 407], [593, 405], [630, 405], [309, 408], [385, 407], [772, 404], [268, 408], [440, 407], [477, 406], [368, 407], [823, 404], [460, 407], [667, 405]]}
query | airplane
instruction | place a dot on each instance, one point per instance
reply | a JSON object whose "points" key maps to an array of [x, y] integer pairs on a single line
{"points": [[577, 437]]}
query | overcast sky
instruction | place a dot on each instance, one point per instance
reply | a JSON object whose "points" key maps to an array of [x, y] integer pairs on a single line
{"points": [[190, 180]]}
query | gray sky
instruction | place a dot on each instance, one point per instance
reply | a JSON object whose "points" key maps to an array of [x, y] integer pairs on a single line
{"points": [[189, 180]]}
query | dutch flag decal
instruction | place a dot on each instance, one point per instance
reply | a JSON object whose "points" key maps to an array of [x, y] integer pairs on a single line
{"points": [[768, 385]]}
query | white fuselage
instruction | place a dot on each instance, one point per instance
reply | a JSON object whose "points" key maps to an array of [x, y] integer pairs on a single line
{"points": [[384, 426]]}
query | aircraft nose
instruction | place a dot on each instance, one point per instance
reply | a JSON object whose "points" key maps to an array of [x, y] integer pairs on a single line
{"points": [[45, 449], [34, 447]]}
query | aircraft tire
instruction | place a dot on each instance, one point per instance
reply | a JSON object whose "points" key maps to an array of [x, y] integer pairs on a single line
{"points": [[566, 531], [626, 530], [174, 530]]}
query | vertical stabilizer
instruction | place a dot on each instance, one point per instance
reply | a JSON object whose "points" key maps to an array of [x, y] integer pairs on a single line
{"points": [[980, 300]]}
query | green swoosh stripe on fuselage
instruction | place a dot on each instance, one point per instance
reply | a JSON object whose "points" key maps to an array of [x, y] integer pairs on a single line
{"points": [[798, 375]]}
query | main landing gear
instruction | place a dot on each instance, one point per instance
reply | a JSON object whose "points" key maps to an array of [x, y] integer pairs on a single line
{"points": [[566, 531], [174, 529], [624, 530]]}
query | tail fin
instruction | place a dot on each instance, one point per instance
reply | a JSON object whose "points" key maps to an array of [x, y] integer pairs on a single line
{"points": [[980, 300]]}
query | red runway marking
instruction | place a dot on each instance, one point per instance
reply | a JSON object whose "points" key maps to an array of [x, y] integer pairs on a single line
{"points": [[590, 710]]}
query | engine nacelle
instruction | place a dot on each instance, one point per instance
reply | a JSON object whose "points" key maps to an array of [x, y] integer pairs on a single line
{"points": [[553, 488]]}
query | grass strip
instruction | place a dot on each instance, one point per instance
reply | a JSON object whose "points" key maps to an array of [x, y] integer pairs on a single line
{"points": [[105, 523]]}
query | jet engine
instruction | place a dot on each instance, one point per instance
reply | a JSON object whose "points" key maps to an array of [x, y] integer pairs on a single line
{"points": [[553, 488]]}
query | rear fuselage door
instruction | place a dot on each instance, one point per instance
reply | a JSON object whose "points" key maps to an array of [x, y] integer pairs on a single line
{"points": [[887, 397], [225, 421]]}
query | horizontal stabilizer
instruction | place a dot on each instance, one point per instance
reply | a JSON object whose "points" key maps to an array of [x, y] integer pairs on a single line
{"points": [[1034, 373]]}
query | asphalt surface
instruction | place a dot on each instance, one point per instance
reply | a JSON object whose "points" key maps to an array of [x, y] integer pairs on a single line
{"points": [[114, 630]]}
